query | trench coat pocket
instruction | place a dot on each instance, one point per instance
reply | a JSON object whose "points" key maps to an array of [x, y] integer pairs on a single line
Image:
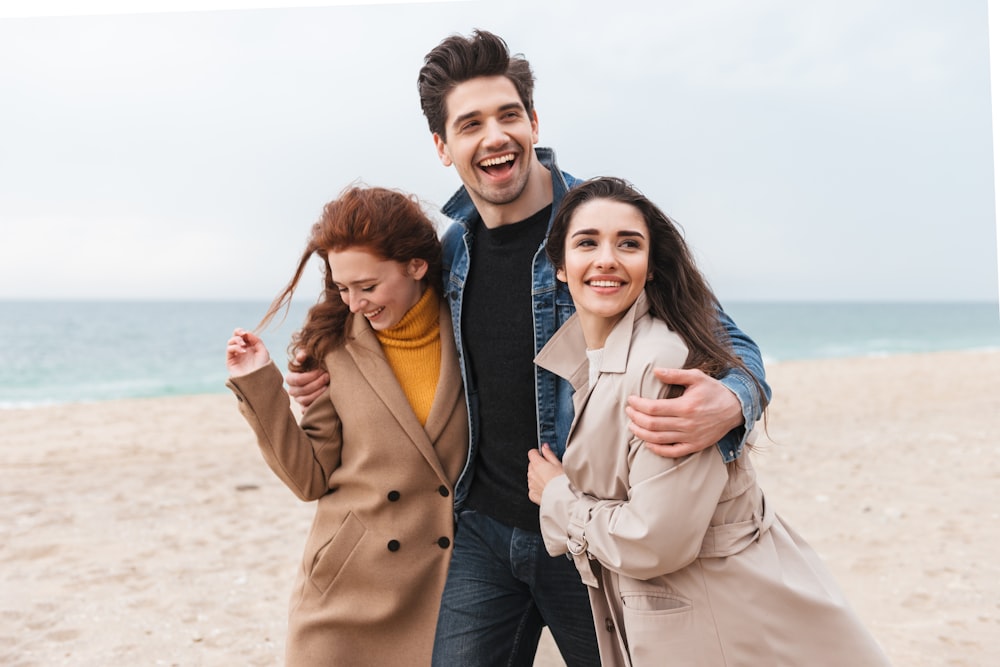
{"points": [[658, 624], [330, 558]]}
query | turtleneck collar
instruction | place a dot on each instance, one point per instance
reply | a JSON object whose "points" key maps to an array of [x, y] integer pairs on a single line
{"points": [[418, 325]]}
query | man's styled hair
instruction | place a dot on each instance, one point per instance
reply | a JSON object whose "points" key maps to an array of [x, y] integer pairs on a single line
{"points": [[458, 59]]}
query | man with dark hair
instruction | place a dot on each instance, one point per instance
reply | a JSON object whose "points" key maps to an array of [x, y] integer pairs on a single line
{"points": [[502, 586]]}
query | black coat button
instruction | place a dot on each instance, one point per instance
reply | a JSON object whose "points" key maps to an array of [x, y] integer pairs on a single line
{"points": [[609, 624], [443, 490], [393, 496], [393, 545], [444, 542]]}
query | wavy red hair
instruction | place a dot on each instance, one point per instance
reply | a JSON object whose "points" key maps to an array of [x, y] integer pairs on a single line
{"points": [[389, 224]]}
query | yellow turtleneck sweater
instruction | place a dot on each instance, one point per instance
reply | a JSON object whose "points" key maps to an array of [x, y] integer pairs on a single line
{"points": [[413, 348]]}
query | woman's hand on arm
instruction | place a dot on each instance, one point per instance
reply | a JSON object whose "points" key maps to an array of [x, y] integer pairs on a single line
{"points": [[245, 353], [691, 422]]}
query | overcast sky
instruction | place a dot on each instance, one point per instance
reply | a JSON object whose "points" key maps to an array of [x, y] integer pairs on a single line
{"points": [[820, 150]]}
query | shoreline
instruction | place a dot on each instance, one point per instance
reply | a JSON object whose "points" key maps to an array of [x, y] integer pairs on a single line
{"points": [[769, 362], [149, 530]]}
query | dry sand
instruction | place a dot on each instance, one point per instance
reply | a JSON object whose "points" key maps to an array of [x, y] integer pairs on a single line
{"points": [[150, 532]]}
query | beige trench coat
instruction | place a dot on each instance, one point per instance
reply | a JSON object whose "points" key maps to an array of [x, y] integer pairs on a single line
{"points": [[375, 561], [685, 563]]}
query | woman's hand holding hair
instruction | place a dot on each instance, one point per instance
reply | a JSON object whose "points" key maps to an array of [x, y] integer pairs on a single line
{"points": [[245, 353]]}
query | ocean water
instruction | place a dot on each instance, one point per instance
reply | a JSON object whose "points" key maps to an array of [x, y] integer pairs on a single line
{"points": [[57, 352]]}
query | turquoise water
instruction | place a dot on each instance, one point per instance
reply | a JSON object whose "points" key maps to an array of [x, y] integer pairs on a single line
{"points": [[787, 331], [56, 352]]}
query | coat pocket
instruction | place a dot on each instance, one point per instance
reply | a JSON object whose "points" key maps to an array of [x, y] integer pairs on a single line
{"points": [[659, 628], [330, 558]]}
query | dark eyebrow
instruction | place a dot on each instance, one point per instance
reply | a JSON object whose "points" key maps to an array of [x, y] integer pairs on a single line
{"points": [[513, 105], [625, 232], [464, 117], [476, 112]]}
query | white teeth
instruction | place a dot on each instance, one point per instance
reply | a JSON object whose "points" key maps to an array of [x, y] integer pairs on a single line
{"points": [[494, 161], [605, 283], [374, 312]]}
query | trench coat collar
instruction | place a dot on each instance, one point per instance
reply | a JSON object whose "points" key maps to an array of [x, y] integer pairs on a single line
{"points": [[366, 351], [566, 352]]}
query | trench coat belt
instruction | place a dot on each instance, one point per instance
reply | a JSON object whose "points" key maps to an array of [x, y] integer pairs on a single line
{"points": [[731, 538], [576, 545]]}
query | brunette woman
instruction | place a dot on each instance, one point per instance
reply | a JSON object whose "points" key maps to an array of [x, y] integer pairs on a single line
{"points": [[685, 562]]}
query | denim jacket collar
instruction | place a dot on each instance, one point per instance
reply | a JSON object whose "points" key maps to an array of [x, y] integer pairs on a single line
{"points": [[461, 209]]}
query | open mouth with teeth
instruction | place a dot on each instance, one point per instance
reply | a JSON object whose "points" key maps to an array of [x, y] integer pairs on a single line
{"points": [[605, 283], [499, 165], [375, 313]]}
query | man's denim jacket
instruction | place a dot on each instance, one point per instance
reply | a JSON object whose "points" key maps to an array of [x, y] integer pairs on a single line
{"points": [[552, 306]]}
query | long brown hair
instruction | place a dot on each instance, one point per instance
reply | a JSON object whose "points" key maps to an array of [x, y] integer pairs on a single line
{"points": [[678, 293], [389, 224]]}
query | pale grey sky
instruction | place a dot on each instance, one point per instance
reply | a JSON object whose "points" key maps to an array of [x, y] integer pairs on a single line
{"points": [[822, 150]]}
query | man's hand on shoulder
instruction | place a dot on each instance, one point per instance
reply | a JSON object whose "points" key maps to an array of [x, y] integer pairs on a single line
{"points": [[696, 420]]}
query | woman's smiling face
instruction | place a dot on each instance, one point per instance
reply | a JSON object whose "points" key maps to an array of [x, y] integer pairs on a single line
{"points": [[606, 264], [381, 290]]}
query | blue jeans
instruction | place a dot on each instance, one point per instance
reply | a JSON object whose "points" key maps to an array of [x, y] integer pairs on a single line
{"points": [[502, 589]]}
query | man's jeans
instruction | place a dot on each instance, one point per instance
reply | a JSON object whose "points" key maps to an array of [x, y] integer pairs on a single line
{"points": [[502, 589]]}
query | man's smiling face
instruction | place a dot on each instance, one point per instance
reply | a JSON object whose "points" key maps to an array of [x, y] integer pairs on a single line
{"points": [[489, 138]]}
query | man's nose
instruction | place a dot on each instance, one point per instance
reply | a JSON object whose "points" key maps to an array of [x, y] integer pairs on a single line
{"points": [[495, 134]]}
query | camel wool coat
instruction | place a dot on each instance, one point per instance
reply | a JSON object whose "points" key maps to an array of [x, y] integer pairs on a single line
{"points": [[685, 563], [370, 582]]}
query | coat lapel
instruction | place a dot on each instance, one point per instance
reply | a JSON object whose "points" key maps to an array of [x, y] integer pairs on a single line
{"points": [[566, 354], [449, 384], [366, 351]]}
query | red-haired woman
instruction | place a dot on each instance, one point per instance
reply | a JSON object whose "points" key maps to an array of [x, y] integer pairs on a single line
{"points": [[381, 449]]}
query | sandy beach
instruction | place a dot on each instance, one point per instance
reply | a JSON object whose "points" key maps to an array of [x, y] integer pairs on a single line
{"points": [[150, 532]]}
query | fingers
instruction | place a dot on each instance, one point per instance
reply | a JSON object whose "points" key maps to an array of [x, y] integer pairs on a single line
{"points": [[310, 382], [305, 400], [304, 391], [543, 456], [543, 467], [540, 470], [646, 408], [684, 376], [243, 338], [651, 415], [236, 345], [549, 455], [245, 353], [672, 451], [655, 431]]}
